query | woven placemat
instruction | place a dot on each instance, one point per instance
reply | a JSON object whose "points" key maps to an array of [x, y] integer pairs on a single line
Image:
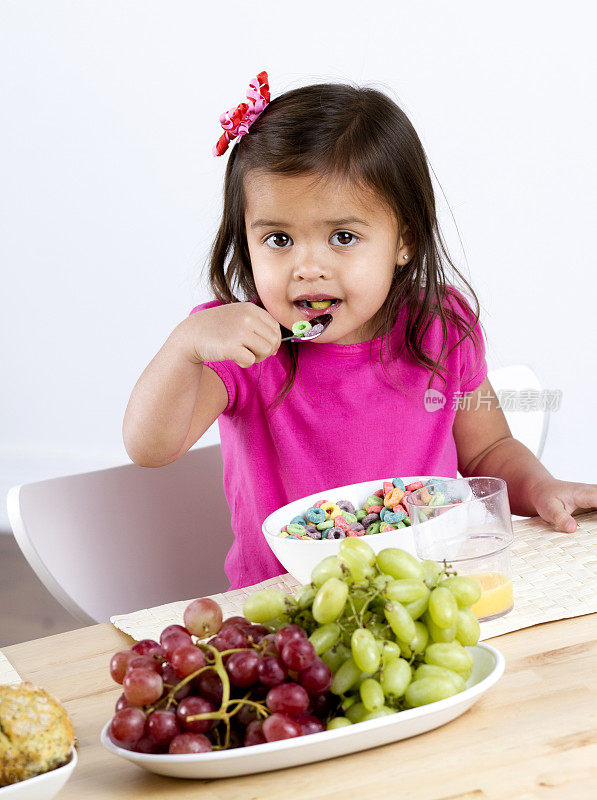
{"points": [[150, 622], [554, 577], [8, 674]]}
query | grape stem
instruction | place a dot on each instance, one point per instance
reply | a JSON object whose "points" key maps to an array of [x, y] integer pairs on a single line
{"points": [[170, 699], [369, 600], [222, 713], [354, 611], [358, 617], [261, 709]]}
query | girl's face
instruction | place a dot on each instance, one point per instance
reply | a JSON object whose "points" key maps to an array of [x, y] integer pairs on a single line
{"points": [[310, 238]]}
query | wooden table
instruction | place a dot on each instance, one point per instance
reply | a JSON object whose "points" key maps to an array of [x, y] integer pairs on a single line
{"points": [[533, 735]]}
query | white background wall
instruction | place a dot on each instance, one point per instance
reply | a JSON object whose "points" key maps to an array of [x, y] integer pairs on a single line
{"points": [[110, 195]]}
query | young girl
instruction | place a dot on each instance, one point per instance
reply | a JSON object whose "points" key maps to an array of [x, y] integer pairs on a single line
{"points": [[329, 198]]}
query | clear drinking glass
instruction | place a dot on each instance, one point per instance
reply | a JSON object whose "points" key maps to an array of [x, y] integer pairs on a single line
{"points": [[467, 523]]}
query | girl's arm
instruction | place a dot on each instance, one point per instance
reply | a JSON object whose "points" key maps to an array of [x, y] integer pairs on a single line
{"points": [[177, 398], [172, 405], [485, 446]]}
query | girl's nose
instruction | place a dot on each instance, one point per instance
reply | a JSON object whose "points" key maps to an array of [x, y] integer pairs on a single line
{"points": [[310, 270]]}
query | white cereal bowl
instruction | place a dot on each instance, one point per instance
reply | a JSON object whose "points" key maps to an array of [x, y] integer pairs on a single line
{"points": [[41, 787], [299, 556]]}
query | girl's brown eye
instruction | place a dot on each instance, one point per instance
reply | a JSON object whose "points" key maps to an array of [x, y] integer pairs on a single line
{"points": [[279, 239], [346, 239]]}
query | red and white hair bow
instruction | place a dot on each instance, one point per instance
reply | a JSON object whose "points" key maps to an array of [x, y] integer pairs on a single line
{"points": [[237, 121]]}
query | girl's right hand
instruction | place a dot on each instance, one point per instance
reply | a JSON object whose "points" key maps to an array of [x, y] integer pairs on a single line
{"points": [[239, 332]]}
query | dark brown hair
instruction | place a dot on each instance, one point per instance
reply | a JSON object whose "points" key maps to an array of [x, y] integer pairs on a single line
{"points": [[357, 133]]}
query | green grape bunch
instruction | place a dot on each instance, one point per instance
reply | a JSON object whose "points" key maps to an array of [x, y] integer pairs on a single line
{"points": [[393, 630]]}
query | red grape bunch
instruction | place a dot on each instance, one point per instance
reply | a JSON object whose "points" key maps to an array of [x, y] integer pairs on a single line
{"points": [[245, 685]]}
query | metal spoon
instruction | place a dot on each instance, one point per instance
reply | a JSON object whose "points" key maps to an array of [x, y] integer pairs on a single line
{"points": [[322, 319]]}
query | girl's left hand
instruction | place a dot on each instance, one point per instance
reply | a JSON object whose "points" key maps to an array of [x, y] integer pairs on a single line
{"points": [[556, 501]]}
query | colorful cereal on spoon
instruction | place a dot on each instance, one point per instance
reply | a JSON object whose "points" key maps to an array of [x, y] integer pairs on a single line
{"points": [[304, 331]]}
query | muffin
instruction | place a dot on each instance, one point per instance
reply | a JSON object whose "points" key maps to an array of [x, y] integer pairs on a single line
{"points": [[36, 733]]}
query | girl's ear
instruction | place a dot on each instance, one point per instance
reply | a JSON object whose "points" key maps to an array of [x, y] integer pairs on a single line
{"points": [[407, 237], [406, 240]]}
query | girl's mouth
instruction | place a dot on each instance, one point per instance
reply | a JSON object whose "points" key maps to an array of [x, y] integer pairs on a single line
{"points": [[304, 307]]}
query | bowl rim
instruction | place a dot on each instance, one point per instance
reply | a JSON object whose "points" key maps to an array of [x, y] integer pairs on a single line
{"points": [[68, 767], [334, 489], [501, 486]]}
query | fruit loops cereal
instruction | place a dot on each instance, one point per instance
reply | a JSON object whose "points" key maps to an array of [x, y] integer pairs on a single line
{"points": [[303, 327], [384, 510]]}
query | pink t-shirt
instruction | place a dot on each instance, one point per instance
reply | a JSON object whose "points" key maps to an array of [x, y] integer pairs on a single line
{"points": [[342, 422]]}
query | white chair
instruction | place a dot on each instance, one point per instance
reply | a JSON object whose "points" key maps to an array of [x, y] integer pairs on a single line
{"points": [[121, 539], [528, 426]]}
